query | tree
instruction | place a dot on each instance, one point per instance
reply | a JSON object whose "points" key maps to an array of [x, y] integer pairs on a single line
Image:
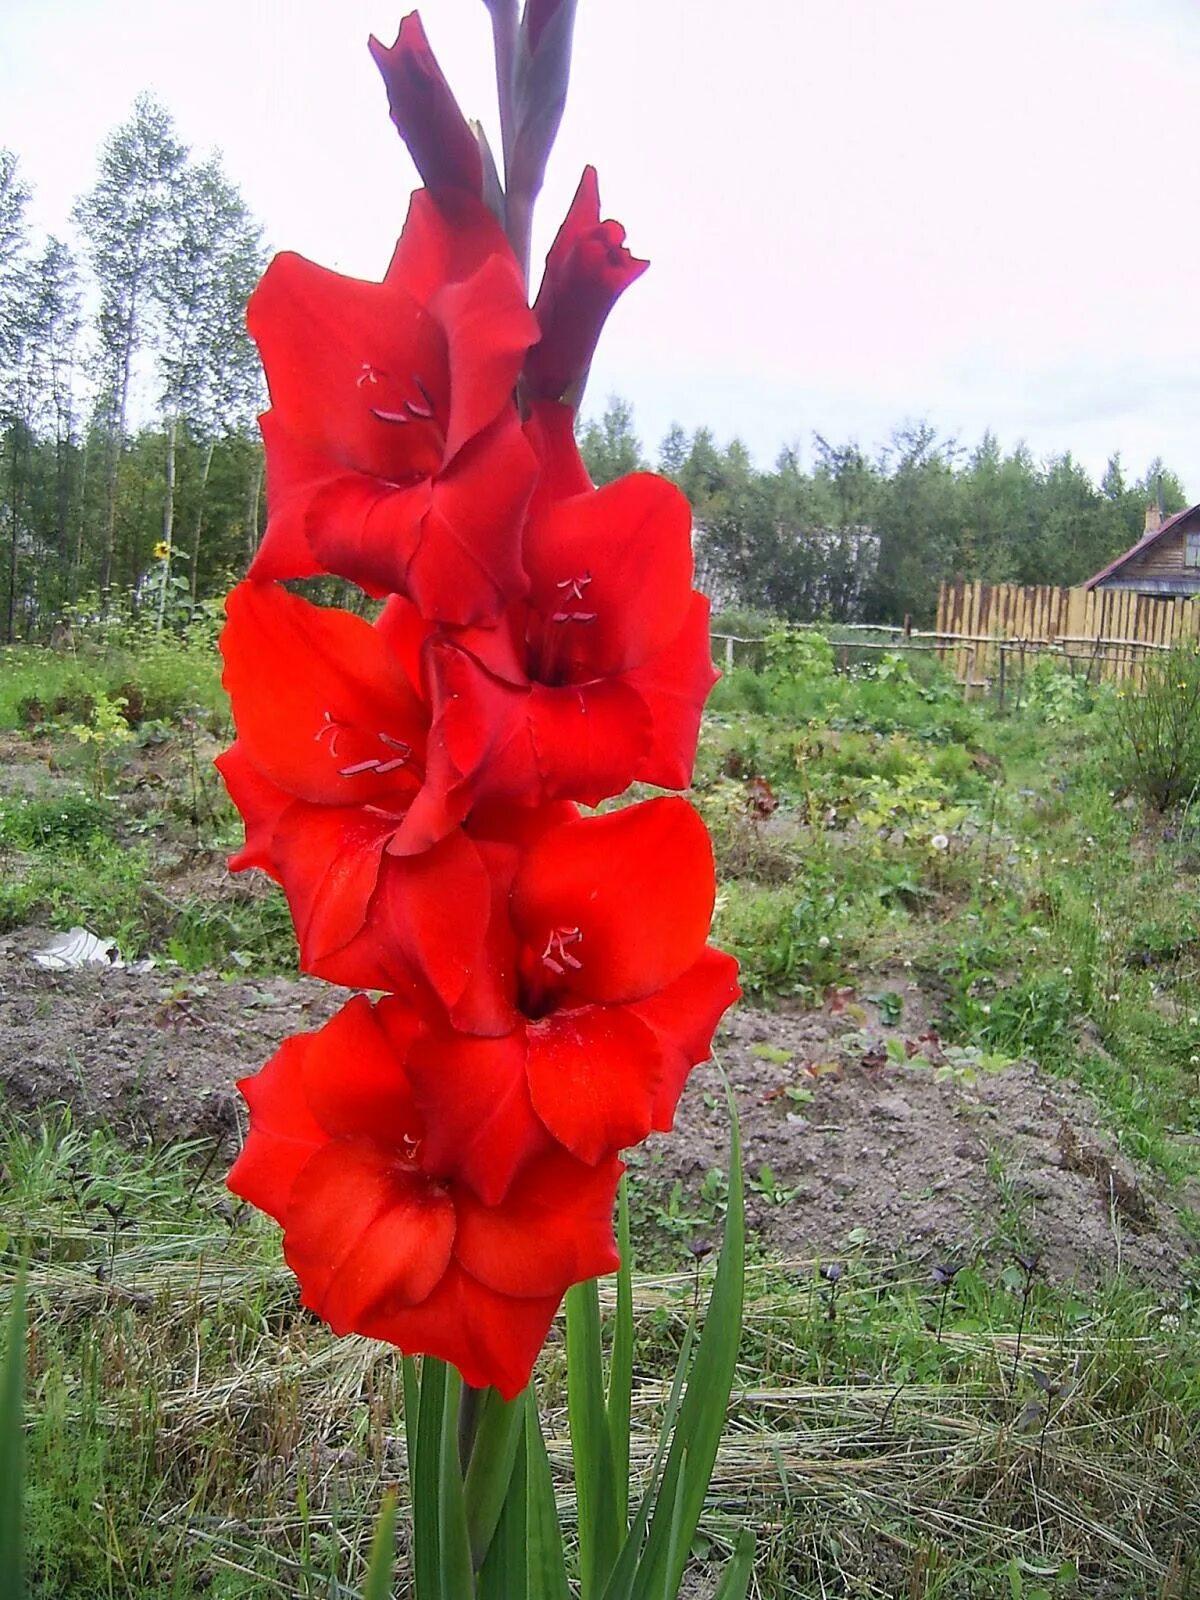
{"points": [[126, 220], [207, 364], [611, 447]]}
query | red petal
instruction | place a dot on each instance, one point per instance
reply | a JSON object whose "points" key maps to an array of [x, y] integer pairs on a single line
{"points": [[317, 694], [673, 685], [403, 629], [365, 529], [550, 429], [480, 1128], [638, 885], [284, 1134], [628, 549], [261, 806], [488, 329], [467, 564], [354, 1079], [340, 351], [425, 112], [363, 1234], [684, 1016], [329, 862], [446, 237], [589, 741], [436, 908], [554, 1229], [292, 472], [593, 1075], [492, 1340]]}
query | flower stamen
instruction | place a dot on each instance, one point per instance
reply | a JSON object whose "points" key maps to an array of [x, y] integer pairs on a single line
{"points": [[557, 956]]}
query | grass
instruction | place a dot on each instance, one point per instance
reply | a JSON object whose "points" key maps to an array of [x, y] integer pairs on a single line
{"points": [[194, 1432]]}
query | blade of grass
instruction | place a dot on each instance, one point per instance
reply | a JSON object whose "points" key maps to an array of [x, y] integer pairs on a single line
{"points": [[383, 1552], [735, 1580], [12, 1449]]}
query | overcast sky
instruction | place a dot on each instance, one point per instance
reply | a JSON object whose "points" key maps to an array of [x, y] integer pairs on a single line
{"points": [[980, 212]]}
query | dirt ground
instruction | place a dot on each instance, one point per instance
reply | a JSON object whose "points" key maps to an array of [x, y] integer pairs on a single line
{"points": [[935, 1159]]}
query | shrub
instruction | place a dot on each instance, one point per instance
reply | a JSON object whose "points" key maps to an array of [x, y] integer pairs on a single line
{"points": [[1154, 745]]}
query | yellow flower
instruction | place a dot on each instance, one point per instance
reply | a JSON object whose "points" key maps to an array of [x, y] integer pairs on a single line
{"points": [[162, 550]]}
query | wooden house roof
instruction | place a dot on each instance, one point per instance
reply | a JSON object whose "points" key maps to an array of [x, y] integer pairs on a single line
{"points": [[1146, 542]]}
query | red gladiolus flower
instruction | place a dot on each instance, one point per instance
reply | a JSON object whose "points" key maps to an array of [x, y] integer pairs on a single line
{"points": [[426, 113], [395, 457], [336, 1154], [598, 679], [587, 268], [329, 757], [614, 998]]}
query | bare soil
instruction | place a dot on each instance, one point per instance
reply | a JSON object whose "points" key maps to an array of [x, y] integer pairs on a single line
{"points": [[937, 1162]]}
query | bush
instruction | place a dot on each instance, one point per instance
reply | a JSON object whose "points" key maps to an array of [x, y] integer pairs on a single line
{"points": [[1154, 744]]}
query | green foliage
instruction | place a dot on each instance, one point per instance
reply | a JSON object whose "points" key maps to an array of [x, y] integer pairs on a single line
{"points": [[1154, 746]]}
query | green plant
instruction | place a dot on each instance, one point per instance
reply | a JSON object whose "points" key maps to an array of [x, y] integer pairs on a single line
{"points": [[1155, 731]]}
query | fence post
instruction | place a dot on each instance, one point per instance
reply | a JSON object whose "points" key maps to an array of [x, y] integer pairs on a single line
{"points": [[1003, 658], [729, 653]]}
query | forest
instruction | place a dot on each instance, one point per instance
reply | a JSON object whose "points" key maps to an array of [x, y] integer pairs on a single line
{"points": [[131, 473]]}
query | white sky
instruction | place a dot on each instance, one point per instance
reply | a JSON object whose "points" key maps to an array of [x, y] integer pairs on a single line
{"points": [[857, 211]]}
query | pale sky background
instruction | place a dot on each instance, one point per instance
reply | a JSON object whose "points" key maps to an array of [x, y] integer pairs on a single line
{"points": [[980, 212]]}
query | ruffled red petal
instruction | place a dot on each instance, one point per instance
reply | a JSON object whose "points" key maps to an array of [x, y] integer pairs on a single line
{"points": [[332, 719], [491, 1338], [364, 1233], [683, 1017], [480, 1127], [635, 890], [284, 1133], [610, 578], [261, 804], [554, 1228], [673, 686], [594, 1073]]}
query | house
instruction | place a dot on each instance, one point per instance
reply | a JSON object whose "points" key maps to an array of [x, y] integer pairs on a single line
{"points": [[1165, 561]]}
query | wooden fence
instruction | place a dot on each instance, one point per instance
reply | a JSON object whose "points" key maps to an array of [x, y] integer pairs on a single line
{"points": [[988, 629]]}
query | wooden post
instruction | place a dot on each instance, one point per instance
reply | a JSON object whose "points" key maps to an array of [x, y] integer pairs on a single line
{"points": [[1003, 657], [729, 652]]}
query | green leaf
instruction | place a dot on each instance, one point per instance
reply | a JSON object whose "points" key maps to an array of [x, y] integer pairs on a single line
{"points": [[490, 1469], [383, 1551], [425, 1481], [591, 1447], [12, 1449], [547, 1573], [504, 1574], [697, 1434], [735, 1580], [620, 1371], [620, 1585], [454, 1548]]}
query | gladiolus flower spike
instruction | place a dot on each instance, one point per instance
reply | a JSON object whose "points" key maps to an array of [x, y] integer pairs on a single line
{"points": [[443, 1161]]}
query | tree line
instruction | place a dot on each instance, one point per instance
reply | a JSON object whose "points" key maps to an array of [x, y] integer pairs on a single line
{"points": [[131, 472], [860, 536], [130, 466]]}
